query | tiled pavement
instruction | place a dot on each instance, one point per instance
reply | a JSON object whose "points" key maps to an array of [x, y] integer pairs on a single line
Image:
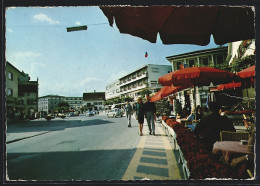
{"points": [[154, 158]]}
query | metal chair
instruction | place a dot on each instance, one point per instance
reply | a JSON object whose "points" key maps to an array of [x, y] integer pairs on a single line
{"points": [[233, 136]]}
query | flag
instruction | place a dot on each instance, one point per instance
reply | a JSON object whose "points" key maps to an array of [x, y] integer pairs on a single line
{"points": [[146, 54]]}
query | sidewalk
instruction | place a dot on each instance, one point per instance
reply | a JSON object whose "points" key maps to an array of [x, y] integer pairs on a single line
{"points": [[154, 158]]}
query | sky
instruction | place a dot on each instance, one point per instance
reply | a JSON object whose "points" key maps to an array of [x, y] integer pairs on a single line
{"points": [[72, 63]]}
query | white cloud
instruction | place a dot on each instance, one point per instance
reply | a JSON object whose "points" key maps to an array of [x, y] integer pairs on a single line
{"points": [[9, 30], [28, 54], [87, 80], [77, 23], [116, 76], [45, 18], [68, 88]]}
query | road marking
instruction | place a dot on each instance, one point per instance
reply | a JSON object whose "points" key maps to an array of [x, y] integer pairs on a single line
{"points": [[149, 160]]}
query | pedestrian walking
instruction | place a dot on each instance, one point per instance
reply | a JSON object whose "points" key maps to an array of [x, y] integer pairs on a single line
{"points": [[150, 114], [139, 108], [129, 112]]}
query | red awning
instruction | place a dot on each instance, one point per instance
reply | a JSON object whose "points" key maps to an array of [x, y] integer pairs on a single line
{"points": [[171, 90], [166, 80], [197, 76], [158, 95], [229, 86], [166, 91], [184, 24], [248, 72]]}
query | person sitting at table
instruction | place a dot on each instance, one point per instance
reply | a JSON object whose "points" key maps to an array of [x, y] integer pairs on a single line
{"points": [[205, 111], [222, 111], [192, 115], [198, 114], [209, 127]]}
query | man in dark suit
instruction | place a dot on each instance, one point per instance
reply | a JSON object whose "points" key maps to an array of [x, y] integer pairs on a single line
{"points": [[150, 114], [209, 127]]}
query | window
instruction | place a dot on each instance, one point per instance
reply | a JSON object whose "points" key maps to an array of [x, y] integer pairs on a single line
{"points": [[191, 63], [10, 76], [178, 65], [220, 59], [205, 61], [9, 92]]}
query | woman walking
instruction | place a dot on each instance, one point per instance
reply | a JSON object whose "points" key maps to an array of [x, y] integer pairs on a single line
{"points": [[140, 114]]}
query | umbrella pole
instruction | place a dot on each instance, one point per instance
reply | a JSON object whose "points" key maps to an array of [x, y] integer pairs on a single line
{"points": [[247, 98], [194, 97]]}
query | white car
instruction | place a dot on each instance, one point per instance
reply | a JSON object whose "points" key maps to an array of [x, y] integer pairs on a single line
{"points": [[89, 113], [115, 113]]}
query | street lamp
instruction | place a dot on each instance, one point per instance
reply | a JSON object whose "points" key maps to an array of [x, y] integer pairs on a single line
{"points": [[76, 28]]}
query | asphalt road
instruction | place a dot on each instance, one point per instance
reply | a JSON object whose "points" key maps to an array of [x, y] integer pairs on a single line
{"points": [[86, 148]]}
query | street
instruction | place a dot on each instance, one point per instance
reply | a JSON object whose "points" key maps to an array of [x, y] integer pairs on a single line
{"points": [[88, 148]]}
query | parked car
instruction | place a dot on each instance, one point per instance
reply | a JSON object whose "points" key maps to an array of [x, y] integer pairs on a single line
{"points": [[49, 117], [61, 115], [115, 113], [89, 113]]}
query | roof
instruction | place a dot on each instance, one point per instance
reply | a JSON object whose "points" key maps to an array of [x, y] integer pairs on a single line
{"points": [[198, 52], [8, 63], [144, 66], [94, 96], [51, 96]]}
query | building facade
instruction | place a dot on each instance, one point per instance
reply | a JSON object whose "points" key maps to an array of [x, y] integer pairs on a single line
{"points": [[112, 90], [209, 57], [131, 84], [94, 100], [21, 94], [12, 76], [47, 104], [74, 102]]}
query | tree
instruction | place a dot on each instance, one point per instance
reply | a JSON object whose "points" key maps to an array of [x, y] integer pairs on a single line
{"points": [[145, 91], [62, 106]]}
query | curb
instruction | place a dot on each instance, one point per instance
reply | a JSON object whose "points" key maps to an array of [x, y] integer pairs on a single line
{"points": [[19, 139]]}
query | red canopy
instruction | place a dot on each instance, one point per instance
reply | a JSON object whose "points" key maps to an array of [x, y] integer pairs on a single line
{"points": [[158, 95], [248, 72], [171, 90], [165, 91], [184, 24], [196, 76], [229, 86], [166, 80]]}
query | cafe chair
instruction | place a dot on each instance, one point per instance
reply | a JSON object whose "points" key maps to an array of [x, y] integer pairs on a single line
{"points": [[233, 136]]}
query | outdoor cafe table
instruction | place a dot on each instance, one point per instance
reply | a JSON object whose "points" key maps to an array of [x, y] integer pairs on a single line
{"points": [[230, 149]]}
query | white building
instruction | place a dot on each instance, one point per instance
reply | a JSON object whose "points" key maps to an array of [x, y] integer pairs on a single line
{"points": [[241, 49], [74, 102], [48, 103], [132, 83], [112, 90]]}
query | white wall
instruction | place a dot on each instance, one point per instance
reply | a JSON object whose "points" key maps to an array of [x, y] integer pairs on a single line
{"points": [[235, 46]]}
